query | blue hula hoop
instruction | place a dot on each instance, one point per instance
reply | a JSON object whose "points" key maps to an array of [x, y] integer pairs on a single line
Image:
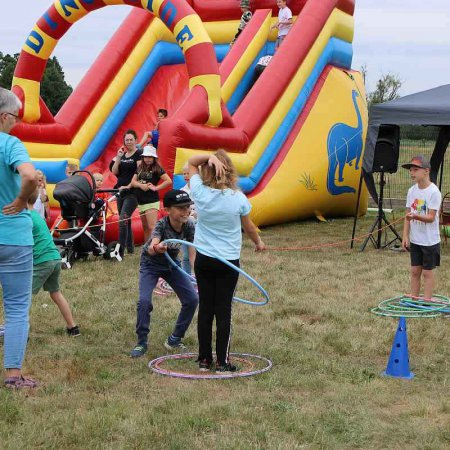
{"points": [[237, 269], [440, 309]]}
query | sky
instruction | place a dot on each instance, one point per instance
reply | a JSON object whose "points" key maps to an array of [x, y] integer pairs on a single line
{"points": [[407, 38]]}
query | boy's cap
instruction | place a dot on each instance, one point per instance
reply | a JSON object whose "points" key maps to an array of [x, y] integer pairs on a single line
{"points": [[418, 161], [175, 197], [245, 4], [149, 150]]}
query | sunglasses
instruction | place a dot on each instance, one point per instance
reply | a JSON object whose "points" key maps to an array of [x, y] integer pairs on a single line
{"points": [[14, 115]]}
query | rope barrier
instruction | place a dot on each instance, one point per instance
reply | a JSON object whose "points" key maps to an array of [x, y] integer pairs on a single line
{"points": [[333, 244], [269, 248]]}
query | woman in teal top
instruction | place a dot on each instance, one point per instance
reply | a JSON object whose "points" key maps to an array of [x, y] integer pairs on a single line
{"points": [[222, 211], [17, 182]]}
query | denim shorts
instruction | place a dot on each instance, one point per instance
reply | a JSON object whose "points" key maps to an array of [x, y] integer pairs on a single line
{"points": [[427, 257], [46, 275]]}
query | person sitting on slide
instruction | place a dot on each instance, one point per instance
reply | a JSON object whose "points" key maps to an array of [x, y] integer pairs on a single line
{"points": [[152, 137]]}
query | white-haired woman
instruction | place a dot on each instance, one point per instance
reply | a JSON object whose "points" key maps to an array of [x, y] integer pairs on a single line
{"points": [[17, 183]]}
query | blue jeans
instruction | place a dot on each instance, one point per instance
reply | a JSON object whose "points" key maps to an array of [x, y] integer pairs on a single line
{"points": [[185, 263], [149, 273], [16, 272]]}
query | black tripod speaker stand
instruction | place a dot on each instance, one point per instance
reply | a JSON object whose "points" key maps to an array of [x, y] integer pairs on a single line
{"points": [[380, 222]]}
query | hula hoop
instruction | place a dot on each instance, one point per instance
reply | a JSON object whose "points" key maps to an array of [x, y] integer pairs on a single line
{"points": [[155, 366], [410, 315], [237, 269], [412, 307], [439, 299], [440, 309]]}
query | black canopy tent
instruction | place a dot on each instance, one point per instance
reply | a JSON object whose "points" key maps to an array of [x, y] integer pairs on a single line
{"points": [[431, 107]]}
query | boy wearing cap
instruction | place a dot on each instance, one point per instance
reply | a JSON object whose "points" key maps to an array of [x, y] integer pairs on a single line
{"points": [[176, 225], [245, 18], [421, 229]]}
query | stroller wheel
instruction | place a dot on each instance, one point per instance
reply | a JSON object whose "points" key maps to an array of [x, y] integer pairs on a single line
{"points": [[67, 258], [113, 251]]}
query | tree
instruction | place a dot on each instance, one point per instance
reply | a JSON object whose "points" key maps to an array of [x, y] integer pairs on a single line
{"points": [[54, 89], [7, 66], [387, 89]]}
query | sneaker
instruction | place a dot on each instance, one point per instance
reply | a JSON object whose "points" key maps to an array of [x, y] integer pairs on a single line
{"points": [[226, 368], [174, 344], [204, 365], [20, 383], [138, 351], [74, 332]]}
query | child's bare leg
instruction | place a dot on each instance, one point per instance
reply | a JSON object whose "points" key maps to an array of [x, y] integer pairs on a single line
{"points": [[416, 273], [145, 226], [64, 307], [428, 283]]}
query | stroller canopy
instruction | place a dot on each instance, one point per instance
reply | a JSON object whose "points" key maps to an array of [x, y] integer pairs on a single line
{"points": [[75, 195], [74, 189]]}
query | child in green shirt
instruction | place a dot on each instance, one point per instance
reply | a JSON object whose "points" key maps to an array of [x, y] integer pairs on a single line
{"points": [[47, 266]]}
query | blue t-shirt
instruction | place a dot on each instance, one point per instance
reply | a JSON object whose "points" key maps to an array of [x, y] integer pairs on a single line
{"points": [[219, 212], [15, 229]]}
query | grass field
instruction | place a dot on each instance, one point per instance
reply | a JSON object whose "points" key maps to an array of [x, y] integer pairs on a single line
{"points": [[324, 391]]}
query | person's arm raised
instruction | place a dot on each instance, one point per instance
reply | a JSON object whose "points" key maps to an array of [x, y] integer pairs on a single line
{"points": [[198, 160]]}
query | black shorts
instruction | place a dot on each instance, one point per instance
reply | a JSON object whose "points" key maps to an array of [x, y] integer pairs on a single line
{"points": [[428, 257]]}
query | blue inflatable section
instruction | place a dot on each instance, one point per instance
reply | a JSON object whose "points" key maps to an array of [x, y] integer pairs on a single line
{"points": [[54, 170]]}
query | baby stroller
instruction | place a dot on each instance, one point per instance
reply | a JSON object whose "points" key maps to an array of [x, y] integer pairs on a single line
{"points": [[86, 216]]}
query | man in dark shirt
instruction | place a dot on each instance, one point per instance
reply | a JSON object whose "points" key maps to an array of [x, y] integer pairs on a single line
{"points": [[154, 264]]}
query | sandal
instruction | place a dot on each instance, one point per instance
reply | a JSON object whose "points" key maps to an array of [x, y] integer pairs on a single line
{"points": [[20, 383]]}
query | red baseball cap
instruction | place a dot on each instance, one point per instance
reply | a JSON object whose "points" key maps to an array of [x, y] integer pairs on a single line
{"points": [[418, 161]]}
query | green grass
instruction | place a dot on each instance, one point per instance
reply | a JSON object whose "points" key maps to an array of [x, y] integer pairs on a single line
{"points": [[324, 390]]}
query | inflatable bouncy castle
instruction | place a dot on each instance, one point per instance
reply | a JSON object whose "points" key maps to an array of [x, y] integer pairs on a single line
{"points": [[295, 135]]}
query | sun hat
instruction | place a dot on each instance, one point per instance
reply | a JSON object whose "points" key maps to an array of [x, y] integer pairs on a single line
{"points": [[418, 161], [149, 150]]}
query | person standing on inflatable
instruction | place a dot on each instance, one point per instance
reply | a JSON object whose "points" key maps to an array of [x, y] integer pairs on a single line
{"points": [[284, 22], [245, 19], [222, 210]]}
